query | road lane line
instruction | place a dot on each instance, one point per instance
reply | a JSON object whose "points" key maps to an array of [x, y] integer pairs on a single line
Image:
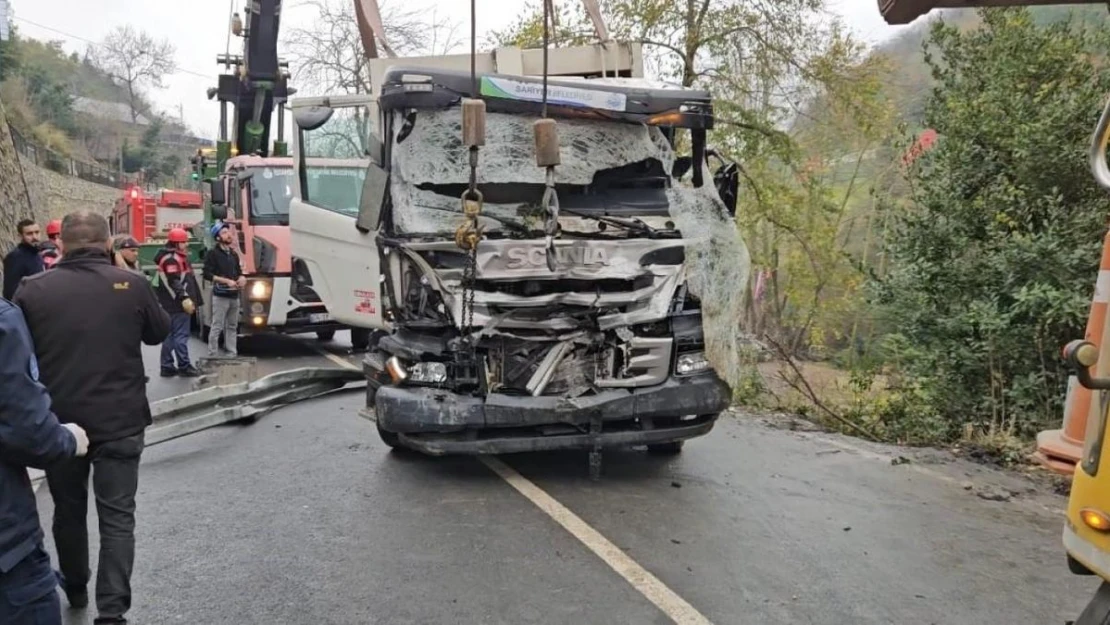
{"points": [[647, 584], [655, 591], [337, 359]]}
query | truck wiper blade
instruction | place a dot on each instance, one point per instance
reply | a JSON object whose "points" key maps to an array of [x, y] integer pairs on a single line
{"points": [[637, 225], [515, 226]]}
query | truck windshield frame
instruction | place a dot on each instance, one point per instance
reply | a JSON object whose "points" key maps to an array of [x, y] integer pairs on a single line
{"points": [[331, 183]]}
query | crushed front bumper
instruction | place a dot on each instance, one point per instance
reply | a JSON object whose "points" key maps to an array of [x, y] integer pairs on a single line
{"points": [[440, 422]]}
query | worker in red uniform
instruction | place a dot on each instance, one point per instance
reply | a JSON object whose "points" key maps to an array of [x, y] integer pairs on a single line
{"points": [[51, 248], [178, 291]]}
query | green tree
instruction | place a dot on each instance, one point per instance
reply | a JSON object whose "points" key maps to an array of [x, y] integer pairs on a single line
{"points": [[992, 265]]}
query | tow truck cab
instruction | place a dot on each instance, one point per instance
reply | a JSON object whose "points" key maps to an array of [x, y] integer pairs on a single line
{"points": [[607, 349], [253, 196]]}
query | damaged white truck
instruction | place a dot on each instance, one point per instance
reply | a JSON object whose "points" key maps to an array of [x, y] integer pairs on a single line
{"points": [[511, 314]]}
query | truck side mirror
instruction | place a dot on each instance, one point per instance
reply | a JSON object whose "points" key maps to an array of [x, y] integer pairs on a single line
{"points": [[727, 181], [217, 190]]}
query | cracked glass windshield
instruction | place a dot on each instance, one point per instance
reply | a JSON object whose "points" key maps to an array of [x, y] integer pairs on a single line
{"points": [[607, 168]]}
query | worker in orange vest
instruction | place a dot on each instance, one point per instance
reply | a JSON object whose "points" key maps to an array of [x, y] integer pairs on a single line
{"points": [[51, 248], [177, 289]]}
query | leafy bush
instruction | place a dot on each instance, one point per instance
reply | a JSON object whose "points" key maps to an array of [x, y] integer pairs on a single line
{"points": [[994, 262]]}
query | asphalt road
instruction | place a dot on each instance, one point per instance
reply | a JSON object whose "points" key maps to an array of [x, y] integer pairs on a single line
{"points": [[305, 517]]}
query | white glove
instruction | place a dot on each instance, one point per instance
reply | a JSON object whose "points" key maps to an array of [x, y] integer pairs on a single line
{"points": [[79, 436]]}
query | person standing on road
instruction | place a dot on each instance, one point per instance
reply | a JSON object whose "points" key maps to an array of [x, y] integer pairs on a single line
{"points": [[82, 314], [223, 269], [30, 436], [24, 260], [126, 254], [177, 291]]}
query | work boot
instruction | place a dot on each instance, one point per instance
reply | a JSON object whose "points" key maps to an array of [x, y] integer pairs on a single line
{"points": [[112, 620], [189, 372], [168, 373]]}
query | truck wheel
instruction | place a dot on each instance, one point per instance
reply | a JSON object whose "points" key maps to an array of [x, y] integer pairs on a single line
{"points": [[325, 335], [666, 449], [1097, 611], [360, 338]]}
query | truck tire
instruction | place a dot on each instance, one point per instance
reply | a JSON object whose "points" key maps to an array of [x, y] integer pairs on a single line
{"points": [[1097, 611], [325, 335], [360, 338], [666, 449]]}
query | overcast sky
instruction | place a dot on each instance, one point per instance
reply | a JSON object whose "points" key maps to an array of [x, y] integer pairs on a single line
{"points": [[199, 30]]}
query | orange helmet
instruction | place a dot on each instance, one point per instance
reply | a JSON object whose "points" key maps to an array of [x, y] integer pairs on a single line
{"points": [[54, 227], [178, 235]]}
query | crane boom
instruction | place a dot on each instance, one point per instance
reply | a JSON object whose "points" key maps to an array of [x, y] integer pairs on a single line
{"points": [[257, 86], [905, 11]]}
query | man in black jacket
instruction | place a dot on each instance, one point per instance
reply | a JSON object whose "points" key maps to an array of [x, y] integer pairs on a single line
{"points": [[223, 269], [30, 436], [89, 320], [24, 260]]}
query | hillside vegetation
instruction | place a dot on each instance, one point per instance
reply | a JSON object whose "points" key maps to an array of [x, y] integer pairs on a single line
{"points": [[64, 103]]}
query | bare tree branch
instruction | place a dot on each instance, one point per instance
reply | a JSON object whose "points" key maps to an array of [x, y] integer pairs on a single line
{"points": [[135, 60], [328, 55]]}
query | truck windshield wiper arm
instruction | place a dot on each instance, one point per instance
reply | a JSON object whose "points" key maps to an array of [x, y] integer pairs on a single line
{"points": [[516, 226], [636, 225]]}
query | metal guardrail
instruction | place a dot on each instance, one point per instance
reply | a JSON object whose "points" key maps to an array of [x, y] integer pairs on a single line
{"points": [[49, 159], [247, 401]]}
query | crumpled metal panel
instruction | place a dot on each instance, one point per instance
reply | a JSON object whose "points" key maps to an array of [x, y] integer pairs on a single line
{"points": [[247, 401]]}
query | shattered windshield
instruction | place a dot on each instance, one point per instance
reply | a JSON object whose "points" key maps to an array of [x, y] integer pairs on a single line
{"points": [[607, 168]]}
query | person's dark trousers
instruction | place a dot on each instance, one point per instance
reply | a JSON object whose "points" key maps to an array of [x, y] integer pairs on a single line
{"points": [[28, 592], [115, 478], [177, 343]]}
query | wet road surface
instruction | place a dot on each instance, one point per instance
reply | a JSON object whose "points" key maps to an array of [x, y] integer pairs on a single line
{"points": [[305, 517]]}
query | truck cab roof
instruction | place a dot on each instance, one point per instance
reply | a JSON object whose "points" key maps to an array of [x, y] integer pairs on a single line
{"points": [[614, 99]]}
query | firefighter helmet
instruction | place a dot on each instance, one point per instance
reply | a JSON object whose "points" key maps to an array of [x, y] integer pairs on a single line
{"points": [[54, 227], [178, 235]]}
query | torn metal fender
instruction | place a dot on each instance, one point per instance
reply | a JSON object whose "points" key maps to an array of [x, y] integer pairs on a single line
{"points": [[247, 401]]}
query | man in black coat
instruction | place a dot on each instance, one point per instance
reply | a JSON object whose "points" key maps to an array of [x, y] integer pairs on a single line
{"points": [[89, 320], [30, 436], [24, 259]]}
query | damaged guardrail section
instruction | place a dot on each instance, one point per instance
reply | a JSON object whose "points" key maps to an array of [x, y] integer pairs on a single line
{"points": [[246, 401]]}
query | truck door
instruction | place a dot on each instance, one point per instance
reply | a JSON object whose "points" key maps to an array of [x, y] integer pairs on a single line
{"points": [[332, 210]]}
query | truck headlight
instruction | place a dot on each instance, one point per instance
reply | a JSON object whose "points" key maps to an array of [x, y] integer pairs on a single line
{"points": [[260, 290], [690, 363], [428, 373]]}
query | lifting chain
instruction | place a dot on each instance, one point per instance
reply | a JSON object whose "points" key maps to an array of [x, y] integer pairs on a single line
{"points": [[547, 152], [550, 203], [469, 233], [467, 236]]}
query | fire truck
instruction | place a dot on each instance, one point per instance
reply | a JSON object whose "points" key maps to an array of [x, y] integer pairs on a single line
{"points": [[148, 217]]}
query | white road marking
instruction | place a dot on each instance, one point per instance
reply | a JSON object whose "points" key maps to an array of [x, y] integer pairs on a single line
{"points": [[647, 584], [342, 362]]}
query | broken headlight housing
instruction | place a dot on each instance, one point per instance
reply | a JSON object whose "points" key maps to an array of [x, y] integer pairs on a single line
{"points": [[418, 374], [428, 373], [690, 363]]}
